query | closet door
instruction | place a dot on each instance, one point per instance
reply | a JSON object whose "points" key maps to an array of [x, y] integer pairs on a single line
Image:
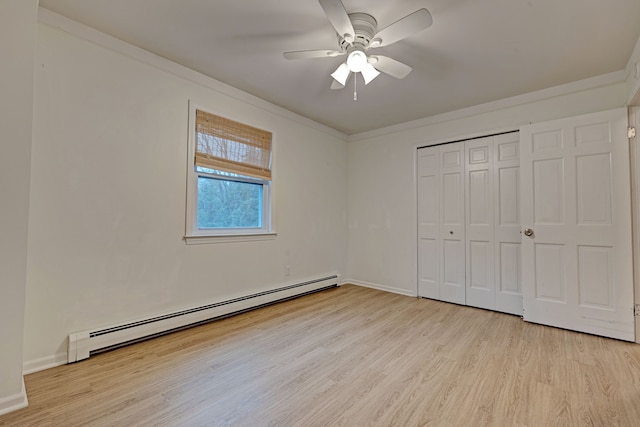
{"points": [[493, 223], [452, 223], [441, 223], [428, 222], [480, 280], [576, 215], [469, 223], [506, 190]]}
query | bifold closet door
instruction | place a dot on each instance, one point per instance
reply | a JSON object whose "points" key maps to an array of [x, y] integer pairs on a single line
{"points": [[480, 280], [428, 223], [507, 236], [441, 223], [576, 215], [493, 223], [469, 223]]}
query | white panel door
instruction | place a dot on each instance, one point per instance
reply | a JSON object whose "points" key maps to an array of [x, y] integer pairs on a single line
{"points": [[480, 280], [506, 190], [428, 223], [492, 192], [451, 242], [576, 216], [441, 254]]}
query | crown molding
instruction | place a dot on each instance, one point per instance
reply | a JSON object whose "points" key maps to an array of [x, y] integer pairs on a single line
{"points": [[630, 69], [565, 89], [632, 74], [75, 28]]}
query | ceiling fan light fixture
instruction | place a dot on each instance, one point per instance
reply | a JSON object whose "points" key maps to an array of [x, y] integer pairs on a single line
{"points": [[341, 74], [369, 73], [356, 60]]}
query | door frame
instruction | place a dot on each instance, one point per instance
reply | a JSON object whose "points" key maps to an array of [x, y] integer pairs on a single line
{"points": [[634, 155]]}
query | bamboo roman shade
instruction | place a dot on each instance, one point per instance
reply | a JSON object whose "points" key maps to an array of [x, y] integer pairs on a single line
{"points": [[230, 146]]}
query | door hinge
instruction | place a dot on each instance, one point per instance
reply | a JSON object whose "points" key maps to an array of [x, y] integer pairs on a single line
{"points": [[636, 311], [631, 132]]}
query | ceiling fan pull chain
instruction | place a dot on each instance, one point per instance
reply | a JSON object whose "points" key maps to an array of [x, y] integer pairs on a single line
{"points": [[355, 87]]}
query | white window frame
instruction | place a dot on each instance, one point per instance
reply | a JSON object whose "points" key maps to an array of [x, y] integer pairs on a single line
{"points": [[195, 235]]}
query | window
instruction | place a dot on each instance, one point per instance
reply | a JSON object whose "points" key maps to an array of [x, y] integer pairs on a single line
{"points": [[229, 182]]}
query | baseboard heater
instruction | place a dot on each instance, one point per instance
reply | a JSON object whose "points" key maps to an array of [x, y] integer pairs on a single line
{"points": [[84, 344]]}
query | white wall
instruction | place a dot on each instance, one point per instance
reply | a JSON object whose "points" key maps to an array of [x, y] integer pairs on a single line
{"points": [[107, 214], [382, 193], [17, 49]]}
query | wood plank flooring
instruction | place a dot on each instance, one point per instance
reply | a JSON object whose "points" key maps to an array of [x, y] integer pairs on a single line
{"points": [[348, 357]]}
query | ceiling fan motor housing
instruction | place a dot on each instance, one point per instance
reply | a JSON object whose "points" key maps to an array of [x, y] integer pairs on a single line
{"points": [[365, 27]]}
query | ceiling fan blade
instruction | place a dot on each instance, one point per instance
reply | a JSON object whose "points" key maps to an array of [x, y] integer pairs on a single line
{"points": [[337, 14], [306, 54], [391, 66], [417, 21]]}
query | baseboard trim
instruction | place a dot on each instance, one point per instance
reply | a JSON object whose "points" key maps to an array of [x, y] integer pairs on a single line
{"points": [[14, 402], [36, 365], [379, 287], [83, 344]]}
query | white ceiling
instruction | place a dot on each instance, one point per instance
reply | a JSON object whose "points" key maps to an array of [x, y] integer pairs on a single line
{"points": [[475, 51]]}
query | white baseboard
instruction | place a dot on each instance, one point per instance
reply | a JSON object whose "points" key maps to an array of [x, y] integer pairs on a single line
{"points": [[82, 344], [380, 287], [36, 365], [14, 402]]}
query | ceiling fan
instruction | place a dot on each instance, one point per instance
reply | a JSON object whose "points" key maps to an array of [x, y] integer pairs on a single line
{"points": [[357, 33]]}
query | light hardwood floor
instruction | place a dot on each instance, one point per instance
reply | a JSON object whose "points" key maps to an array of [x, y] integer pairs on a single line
{"points": [[348, 357]]}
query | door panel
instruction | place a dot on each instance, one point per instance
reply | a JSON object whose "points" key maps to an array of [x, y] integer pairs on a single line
{"points": [[451, 184], [452, 225], [480, 281], [594, 198], [428, 223], [506, 190], [595, 277], [441, 268], [480, 198], [549, 282], [480, 266], [548, 191], [577, 264], [428, 269], [509, 268]]}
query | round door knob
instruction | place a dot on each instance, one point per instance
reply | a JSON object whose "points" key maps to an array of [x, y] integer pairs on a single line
{"points": [[528, 232]]}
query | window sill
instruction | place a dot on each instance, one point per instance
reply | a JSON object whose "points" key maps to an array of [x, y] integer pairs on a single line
{"points": [[229, 238]]}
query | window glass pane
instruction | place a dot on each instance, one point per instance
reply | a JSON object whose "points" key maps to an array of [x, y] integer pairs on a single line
{"points": [[229, 204]]}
